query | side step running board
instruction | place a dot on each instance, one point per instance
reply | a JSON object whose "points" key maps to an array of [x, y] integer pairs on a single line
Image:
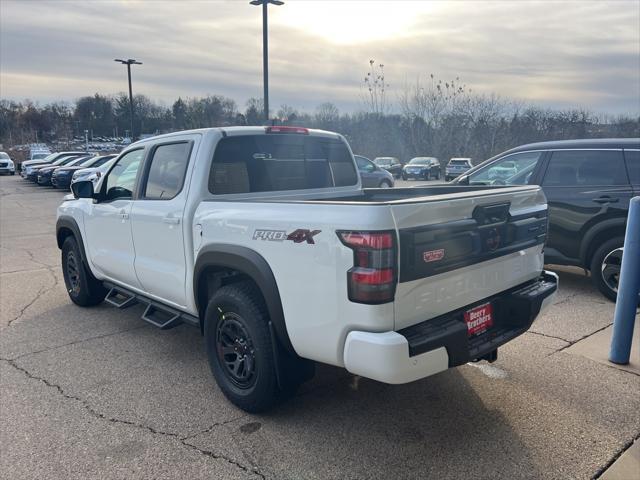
{"points": [[161, 317], [120, 298], [157, 314]]}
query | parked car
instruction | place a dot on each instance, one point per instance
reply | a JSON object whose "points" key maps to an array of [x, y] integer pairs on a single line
{"points": [[45, 173], [422, 168], [6, 164], [588, 184], [61, 177], [284, 263], [38, 151], [49, 159], [456, 167], [372, 175], [33, 170], [390, 164], [92, 174]]}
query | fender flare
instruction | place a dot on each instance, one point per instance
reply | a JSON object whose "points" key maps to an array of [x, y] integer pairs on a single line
{"points": [[252, 264], [611, 223], [66, 222]]}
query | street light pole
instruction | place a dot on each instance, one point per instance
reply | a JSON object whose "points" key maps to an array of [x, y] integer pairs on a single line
{"points": [[265, 50], [128, 63]]}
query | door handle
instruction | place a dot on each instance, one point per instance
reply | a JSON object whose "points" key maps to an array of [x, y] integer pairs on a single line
{"points": [[171, 220], [606, 199]]}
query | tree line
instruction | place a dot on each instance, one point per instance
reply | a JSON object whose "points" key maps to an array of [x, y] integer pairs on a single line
{"points": [[430, 117]]}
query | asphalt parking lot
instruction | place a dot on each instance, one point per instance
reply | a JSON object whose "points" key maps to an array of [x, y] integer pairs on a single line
{"points": [[98, 393]]}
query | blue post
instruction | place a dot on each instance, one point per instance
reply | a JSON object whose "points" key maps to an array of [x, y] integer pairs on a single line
{"points": [[628, 289]]}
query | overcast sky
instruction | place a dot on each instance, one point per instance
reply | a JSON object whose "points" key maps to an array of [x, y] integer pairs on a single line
{"points": [[558, 54]]}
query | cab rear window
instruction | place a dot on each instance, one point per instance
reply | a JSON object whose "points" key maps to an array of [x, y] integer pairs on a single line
{"points": [[273, 162]]}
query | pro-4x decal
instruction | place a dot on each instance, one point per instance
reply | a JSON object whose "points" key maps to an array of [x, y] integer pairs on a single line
{"points": [[297, 236]]}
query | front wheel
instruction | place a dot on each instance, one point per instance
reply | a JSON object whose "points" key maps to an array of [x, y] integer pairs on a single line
{"points": [[384, 184], [605, 267], [83, 288]]}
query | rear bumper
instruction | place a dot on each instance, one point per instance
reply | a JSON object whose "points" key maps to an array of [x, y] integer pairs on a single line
{"points": [[433, 346]]}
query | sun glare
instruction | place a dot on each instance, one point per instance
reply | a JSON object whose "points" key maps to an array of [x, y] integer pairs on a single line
{"points": [[351, 22]]}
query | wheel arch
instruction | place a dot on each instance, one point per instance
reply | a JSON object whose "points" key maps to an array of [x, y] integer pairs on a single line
{"points": [[221, 264], [597, 235], [67, 226]]}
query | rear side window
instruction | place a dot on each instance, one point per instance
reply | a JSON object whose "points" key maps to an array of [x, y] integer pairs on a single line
{"points": [[576, 168], [633, 165], [271, 162], [167, 170]]}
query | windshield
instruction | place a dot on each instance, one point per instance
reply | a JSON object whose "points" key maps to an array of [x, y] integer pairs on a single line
{"points": [[420, 161], [77, 161], [88, 162], [458, 163], [38, 156], [4, 156], [382, 161]]}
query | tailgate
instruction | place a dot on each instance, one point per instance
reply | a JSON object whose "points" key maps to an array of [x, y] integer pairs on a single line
{"points": [[459, 248]]}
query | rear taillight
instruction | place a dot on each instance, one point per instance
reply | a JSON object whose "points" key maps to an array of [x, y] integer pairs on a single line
{"points": [[373, 277]]}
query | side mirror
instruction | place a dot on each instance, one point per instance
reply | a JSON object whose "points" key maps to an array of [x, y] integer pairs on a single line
{"points": [[463, 180], [82, 189]]}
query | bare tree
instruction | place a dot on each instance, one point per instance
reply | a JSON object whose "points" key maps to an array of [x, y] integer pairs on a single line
{"points": [[374, 93], [327, 114]]}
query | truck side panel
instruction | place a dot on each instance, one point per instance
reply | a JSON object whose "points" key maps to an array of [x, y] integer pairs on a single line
{"points": [[311, 277]]}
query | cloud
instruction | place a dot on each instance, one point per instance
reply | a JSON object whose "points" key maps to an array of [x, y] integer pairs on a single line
{"points": [[561, 54]]}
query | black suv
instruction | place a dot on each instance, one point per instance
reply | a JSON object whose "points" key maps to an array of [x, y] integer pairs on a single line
{"points": [[588, 184]]}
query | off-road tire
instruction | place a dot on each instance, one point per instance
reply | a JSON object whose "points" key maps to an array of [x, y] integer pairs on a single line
{"points": [[242, 305], [83, 288]]}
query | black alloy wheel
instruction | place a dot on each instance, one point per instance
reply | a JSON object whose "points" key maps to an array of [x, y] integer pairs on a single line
{"points": [[235, 350]]}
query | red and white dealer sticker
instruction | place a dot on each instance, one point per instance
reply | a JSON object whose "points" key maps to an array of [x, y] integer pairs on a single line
{"points": [[479, 319], [433, 255]]}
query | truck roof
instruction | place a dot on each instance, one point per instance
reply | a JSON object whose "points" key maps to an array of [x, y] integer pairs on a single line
{"points": [[242, 130], [581, 143]]}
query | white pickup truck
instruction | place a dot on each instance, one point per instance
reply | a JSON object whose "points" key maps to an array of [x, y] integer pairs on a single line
{"points": [[264, 239]]}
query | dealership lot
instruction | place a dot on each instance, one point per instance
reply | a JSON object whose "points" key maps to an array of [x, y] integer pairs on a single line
{"points": [[99, 393]]}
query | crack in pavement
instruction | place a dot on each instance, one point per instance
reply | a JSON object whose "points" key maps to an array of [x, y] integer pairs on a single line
{"points": [[615, 457], [548, 336], [582, 338], [211, 427], [96, 414], [566, 299], [41, 291]]}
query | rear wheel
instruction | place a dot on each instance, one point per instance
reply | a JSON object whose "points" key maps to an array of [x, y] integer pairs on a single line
{"points": [[83, 288], [605, 267], [240, 349], [384, 184]]}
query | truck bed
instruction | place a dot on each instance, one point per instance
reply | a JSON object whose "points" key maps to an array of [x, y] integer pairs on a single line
{"points": [[382, 196]]}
